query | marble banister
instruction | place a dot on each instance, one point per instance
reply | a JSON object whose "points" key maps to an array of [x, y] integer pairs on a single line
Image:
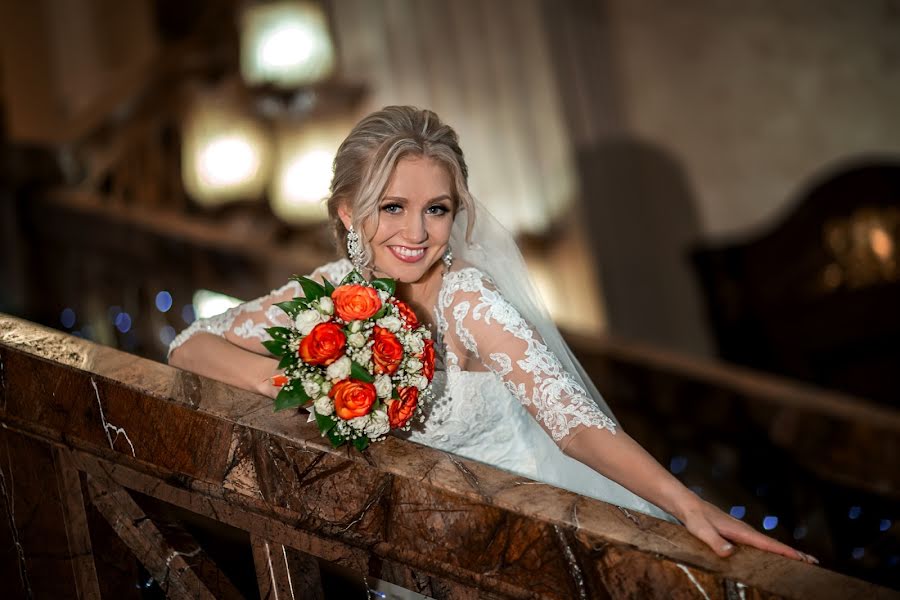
{"points": [[95, 435]]}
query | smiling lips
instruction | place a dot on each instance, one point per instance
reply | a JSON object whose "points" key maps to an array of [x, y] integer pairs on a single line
{"points": [[408, 255]]}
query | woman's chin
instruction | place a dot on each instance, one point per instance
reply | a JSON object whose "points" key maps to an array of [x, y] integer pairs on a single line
{"points": [[407, 272]]}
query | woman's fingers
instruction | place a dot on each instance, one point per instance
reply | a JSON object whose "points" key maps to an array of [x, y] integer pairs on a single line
{"points": [[702, 529], [742, 533]]}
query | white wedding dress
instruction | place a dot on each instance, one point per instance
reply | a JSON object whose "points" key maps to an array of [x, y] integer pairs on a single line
{"points": [[501, 397]]}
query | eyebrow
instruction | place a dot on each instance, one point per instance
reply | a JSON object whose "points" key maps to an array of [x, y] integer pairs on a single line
{"points": [[435, 199]]}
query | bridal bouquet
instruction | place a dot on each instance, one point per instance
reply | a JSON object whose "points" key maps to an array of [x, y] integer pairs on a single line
{"points": [[355, 355]]}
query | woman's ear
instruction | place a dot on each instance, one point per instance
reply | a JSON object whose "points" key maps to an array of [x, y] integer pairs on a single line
{"points": [[345, 216]]}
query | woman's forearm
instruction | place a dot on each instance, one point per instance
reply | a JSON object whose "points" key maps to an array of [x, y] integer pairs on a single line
{"points": [[217, 358], [623, 460]]}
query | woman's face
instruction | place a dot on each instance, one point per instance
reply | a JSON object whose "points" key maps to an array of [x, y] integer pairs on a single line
{"points": [[415, 217]]}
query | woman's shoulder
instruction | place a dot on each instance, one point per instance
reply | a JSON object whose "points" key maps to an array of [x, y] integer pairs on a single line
{"points": [[466, 276]]}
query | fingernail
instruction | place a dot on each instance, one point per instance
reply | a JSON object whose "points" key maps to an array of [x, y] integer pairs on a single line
{"points": [[727, 547]]}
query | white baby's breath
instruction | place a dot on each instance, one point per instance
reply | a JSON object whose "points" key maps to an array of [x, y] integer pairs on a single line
{"points": [[420, 381], [363, 356], [355, 326], [307, 319], [339, 369], [413, 365], [414, 343], [359, 423]]}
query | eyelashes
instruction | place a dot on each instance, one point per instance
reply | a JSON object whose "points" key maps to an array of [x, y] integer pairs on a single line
{"points": [[435, 209]]}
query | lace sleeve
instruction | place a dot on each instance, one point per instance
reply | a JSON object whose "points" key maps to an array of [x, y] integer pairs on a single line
{"points": [[245, 325], [474, 316]]}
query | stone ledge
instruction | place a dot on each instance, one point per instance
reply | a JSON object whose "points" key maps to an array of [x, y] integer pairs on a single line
{"points": [[198, 442]]}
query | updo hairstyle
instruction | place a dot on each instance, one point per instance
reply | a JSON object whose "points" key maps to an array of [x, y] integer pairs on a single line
{"points": [[367, 158]]}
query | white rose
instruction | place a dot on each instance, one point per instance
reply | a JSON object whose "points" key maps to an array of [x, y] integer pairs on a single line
{"points": [[413, 365], [307, 319], [326, 305], [390, 322], [355, 326], [415, 343], [311, 388], [357, 340], [339, 369], [379, 424], [420, 381], [383, 386], [324, 406], [359, 423]]}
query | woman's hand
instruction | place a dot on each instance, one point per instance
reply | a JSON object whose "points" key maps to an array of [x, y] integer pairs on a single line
{"points": [[715, 529]]}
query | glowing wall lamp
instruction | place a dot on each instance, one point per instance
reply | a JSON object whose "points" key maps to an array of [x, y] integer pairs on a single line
{"points": [[226, 154], [286, 44], [304, 157]]}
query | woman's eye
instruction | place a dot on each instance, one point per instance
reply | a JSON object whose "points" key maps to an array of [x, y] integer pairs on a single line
{"points": [[392, 208], [438, 209]]}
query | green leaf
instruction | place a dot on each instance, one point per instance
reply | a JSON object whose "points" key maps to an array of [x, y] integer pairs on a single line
{"points": [[361, 443], [329, 287], [386, 284], [353, 277], [380, 313], [288, 360], [311, 289], [292, 307], [325, 423], [278, 333], [335, 438], [357, 371], [288, 398], [276, 347]]}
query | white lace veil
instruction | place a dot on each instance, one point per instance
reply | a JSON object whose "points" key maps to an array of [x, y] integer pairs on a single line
{"points": [[494, 251]]}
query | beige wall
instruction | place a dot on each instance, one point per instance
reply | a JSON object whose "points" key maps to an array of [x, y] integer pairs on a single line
{"points": [[754, 97]]}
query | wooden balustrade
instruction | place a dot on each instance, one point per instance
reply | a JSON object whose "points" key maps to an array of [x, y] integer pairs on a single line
{"points": [[101, 448]]}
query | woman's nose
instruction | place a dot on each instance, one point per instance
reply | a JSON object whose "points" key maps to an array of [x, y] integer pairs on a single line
{"points": [[415, 229]]}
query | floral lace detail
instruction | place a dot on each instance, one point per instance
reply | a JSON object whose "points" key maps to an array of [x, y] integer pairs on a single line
{"points": [[559, 403], [254, 328]]}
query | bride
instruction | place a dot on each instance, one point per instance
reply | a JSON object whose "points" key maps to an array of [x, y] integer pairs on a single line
{"points": [[508, 390]]}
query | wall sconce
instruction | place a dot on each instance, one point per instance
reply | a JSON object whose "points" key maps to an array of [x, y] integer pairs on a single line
{"points": [[303, 169], [286, 44], [226, 154]]}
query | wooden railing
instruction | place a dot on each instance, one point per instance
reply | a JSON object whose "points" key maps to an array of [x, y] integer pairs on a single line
{"points": [[107, 458]]}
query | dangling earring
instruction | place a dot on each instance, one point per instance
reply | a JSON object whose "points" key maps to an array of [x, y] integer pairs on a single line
{"points": [[448, 258], [355, 250]]}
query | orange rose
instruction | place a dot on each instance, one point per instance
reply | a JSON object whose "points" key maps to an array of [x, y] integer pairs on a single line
{"points": [[406, 313], [427, 358], [352, 398], [387, 351], [324, 345], [401, 411], [355, 302]]}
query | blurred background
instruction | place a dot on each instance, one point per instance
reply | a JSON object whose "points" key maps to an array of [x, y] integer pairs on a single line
{"points": [[717, 184]]}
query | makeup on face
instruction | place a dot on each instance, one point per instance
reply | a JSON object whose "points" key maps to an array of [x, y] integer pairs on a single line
{"points": [[415, 217]]}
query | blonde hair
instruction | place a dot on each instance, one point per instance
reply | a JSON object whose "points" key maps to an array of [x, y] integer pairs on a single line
{"points": [[367, 157]]}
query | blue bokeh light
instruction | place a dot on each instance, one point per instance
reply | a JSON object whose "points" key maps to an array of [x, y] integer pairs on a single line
{"points": [[738, 512], [858, 553], [67, 318], [163, 301], [112, 312], [884, 525], [187, 313], [678, 464], [770, 522], [166, 334], [854, 512], [123, 322]]}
